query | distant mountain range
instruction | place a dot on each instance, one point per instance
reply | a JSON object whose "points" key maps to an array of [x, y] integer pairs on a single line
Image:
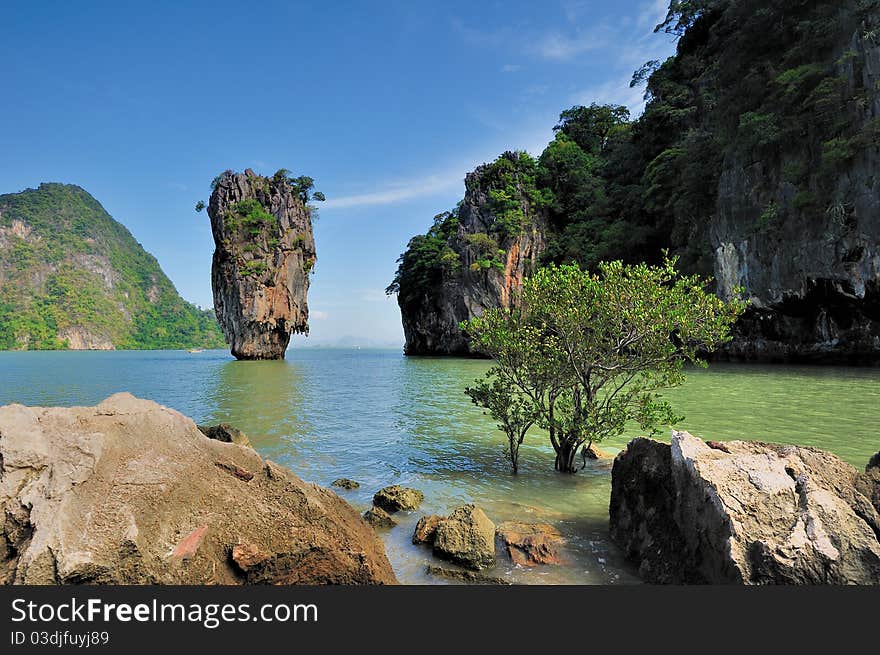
{"points": [[72, 277]]}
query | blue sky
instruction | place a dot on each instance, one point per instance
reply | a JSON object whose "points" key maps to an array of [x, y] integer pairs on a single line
{"points": [[386, 104]]}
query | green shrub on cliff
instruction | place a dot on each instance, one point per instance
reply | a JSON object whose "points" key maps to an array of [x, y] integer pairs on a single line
{"points": [[426, 259], [510, 182]]}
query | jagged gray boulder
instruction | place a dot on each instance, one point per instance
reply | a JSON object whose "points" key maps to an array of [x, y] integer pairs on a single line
{"points": [[743, 512]]}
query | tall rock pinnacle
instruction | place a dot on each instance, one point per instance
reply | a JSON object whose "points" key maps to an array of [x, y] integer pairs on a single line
{"points": [[264, 251]]}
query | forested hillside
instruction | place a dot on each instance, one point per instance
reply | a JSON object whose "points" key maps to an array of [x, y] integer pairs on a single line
{"points": [[73, 277]]}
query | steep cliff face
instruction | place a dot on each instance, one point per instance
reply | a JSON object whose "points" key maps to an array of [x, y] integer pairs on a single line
{"points": [[264, 252], [808, 255], [478, 258]]}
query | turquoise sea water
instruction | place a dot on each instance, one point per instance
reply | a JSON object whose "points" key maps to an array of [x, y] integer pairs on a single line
{"points": [[381, 418]]}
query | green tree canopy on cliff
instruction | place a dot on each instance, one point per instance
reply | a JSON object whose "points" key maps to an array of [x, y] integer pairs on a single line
{"points": [[585, 354]]}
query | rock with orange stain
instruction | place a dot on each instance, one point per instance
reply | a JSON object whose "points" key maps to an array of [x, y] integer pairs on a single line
{"points": [[190, 543], [262, 259], [490, 266]]}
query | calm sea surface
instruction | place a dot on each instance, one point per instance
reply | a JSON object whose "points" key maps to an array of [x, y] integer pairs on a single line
{"points": [[380, 418]]}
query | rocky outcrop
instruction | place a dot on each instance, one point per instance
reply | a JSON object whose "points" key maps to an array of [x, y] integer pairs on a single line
{"points": [[869, 485], [464, 576], [78, 338], [345, 483], [396, 498], [426, 529], [379, 518], [264, 251], [487, 270], [466, 537], [130, 492], [744, 513], [807, 258], [531, 544]]}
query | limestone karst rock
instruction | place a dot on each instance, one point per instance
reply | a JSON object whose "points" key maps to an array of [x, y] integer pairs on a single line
{"points": [[431, 316], [264, 251]]}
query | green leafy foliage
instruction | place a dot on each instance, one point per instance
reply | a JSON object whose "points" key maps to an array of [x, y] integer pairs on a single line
{"points": [[70, 266], [585, 354], [507, 404], [510, 182], [488, 253], [426, 259]]}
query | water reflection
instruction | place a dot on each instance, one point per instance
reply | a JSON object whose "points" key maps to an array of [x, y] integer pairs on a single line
{"points": [[265, 400]]}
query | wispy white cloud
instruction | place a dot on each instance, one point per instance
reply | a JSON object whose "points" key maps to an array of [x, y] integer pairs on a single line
{"points": [[510, 68], [399, 191], [318, 315], [574, 10], [373, 295], [561, 47], [451, 178]]}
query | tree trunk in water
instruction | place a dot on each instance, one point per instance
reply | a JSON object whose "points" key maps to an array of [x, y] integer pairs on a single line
{"points": [[565, 457]]}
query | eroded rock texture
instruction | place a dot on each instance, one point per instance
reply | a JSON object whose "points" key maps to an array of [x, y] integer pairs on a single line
{"points": [[743, 512], [130, 492], [431, 317], [812, 275], [264, 252]]}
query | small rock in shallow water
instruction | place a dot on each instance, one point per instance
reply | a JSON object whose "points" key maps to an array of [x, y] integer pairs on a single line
{"points": [[225, 432], [464, 576], [396, 498], [379, 518], [529, 544], [345, 483], [426, 529]]}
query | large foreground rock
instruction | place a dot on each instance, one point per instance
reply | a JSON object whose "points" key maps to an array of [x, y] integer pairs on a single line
{"points": [[130, 492], [743, 512]]}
